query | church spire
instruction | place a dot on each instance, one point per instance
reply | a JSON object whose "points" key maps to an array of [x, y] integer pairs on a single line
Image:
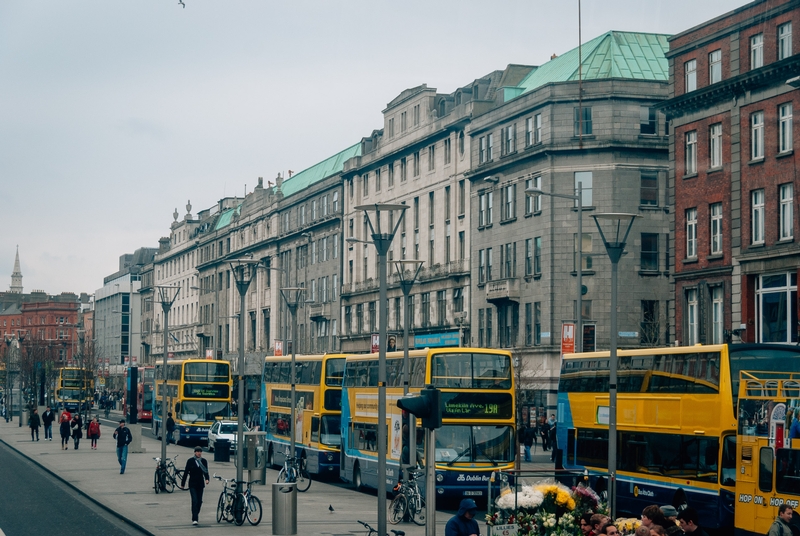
{"points": [[16, 277]]}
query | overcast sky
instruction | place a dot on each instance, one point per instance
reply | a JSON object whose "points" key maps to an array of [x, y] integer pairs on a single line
{"points": [[114, 113]]}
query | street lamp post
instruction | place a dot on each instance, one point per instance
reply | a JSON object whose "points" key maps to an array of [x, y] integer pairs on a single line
{"points": [[243, 272], [292, 297], [615, 245], [380, 219], [167, 296], [579, 269], [405, 285]]}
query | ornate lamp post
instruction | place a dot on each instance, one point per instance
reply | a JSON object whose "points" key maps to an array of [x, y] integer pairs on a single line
{"points": [[244, 270], [614, 241], [166, 296], [404, 270], [382, 225]]}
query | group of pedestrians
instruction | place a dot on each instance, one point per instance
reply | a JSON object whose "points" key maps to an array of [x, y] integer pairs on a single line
{"points": [[546, 429]]}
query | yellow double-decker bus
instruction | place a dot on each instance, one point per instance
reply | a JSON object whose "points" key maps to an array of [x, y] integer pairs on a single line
{"points": [[478, 425], [75, 389], [768, 449], [198, 391], [318, 403], [676, 423]]}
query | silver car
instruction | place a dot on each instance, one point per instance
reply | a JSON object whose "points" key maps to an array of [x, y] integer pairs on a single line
{"points": [[224, 430]]}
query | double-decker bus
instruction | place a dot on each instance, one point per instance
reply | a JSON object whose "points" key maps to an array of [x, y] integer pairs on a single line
{"points": [[478, 424], [676, 423], [318, 403], [144, 393], [198, 391], [75, 389], [768, 449]]}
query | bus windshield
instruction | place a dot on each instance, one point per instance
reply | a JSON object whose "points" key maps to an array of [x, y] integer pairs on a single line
{"points": [[331, 431], [334, 372], [205, 372], [471, 371], [455, 444], [195, 411]]}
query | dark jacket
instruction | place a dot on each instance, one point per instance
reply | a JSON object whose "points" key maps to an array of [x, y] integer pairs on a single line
{"points": [[34, 421], [64, 428], [530, 435], [123, 436], [674, 530], [77, 429], [460, 525], [48, 417], [170, 424], [197, 471]]}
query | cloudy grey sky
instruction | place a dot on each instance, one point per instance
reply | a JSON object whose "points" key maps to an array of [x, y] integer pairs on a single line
{"points": [[114, 113]]}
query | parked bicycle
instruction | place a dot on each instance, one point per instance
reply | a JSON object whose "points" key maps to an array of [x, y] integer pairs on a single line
{"points": [[235, 508], [294, 470], [374, 532], [408, 500], [167, 476]]}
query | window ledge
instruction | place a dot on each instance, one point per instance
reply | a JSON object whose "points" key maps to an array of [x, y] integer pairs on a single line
{"points": [[692, 260], [649, 273], [648, 136], [715, 257], [509, 220], [462, 216], [482, 227], [584, 272], [536, 276], [584, 137], [787, 240], [785, 153], [650, 207], [756, 246], [709, 171], [756, 161], [528, 215], [690, 176]]}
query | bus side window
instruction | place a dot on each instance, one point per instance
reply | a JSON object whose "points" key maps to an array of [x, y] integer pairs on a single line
{"points": [[315, 429], [765, 471], [177, 408]]}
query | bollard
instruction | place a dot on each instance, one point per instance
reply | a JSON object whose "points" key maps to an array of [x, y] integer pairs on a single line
{"points": [[284, 508]]}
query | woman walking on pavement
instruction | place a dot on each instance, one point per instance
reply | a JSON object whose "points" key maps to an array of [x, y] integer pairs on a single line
{"points": [[34, 422], [64, 428], [77, 430], [94, 432]]}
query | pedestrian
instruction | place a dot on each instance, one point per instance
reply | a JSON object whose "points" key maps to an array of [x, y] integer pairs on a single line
{"points": [[67, 414], [64, 429], [671, 513], [544, 430], [77, 430], [530, 433], [781, 527], [124, 438], [689, 521], [586, 523], [196, 471], [170, 428], [47, 421], [553, 442], [652, 515], [94, 431], [463, 523], [34, 423]]}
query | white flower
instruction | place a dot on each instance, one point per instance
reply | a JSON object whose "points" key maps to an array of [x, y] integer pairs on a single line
{"points": [[526, 497]]}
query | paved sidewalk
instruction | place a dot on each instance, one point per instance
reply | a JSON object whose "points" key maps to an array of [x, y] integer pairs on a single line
{"points": [[95, 473]]}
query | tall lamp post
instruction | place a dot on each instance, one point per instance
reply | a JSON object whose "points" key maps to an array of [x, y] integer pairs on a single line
{"points": [[534, 192], [618, 226], [403, 268], [292, 297], [383, 226], [243, 272], [166, 296]]}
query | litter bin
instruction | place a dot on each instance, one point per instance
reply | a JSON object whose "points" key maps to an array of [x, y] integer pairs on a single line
{"points": [[284, 508], [222, 450]]}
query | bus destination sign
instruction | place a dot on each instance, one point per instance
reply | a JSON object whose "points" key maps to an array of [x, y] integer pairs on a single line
{"points": [[476, 406], [206, 390]]}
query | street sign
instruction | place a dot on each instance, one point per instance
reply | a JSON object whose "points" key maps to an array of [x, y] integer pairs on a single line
{"points": [[376, 343], [278, 347], [567, 338]]}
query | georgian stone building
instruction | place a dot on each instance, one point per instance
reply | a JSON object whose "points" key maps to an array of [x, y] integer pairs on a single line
{"points": [[590, 120]]}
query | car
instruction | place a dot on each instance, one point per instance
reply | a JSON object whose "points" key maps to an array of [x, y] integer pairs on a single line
{"points": [[224, 430]]}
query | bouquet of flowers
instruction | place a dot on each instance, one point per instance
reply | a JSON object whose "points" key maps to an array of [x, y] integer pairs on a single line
{"points": [[627, 525]]}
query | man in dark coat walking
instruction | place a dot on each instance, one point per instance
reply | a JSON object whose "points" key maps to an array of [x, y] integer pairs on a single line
{"points": [[34, 422], [196, 471], [47, 420]]}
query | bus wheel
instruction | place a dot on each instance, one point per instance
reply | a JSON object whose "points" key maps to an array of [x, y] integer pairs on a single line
{"points": [[357, 483], [271, 457], [679, 501]]}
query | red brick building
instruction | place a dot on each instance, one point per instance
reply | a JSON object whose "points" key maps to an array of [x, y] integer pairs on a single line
{"points": [[733, 174], [53, 325]]}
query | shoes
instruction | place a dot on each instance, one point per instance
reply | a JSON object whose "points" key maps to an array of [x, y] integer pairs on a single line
{"points": [[122, 472], [194, 523]]}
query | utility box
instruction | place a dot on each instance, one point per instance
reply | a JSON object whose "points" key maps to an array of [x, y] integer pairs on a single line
{"points": [[255, 456], [222, 450]]}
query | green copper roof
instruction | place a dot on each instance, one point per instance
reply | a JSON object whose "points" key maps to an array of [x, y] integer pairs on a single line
{"points": [[316, 173], [640, 56], [225, 218]]}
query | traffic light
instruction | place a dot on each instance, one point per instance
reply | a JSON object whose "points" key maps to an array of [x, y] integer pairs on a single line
{"points": [[426, 406]]}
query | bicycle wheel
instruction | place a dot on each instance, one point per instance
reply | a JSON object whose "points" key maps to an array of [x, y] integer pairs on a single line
{"points": [[282, 476], [418, 510], [303, 480], [254, 510], [397, 509], [221, 507], [178, 479], [167, 482], [157, 480], [239, 509]]}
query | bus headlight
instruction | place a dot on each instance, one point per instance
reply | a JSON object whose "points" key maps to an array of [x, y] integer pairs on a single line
{"points": [[186, 429], [439, 477], [440, 491], [330, 457]]}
